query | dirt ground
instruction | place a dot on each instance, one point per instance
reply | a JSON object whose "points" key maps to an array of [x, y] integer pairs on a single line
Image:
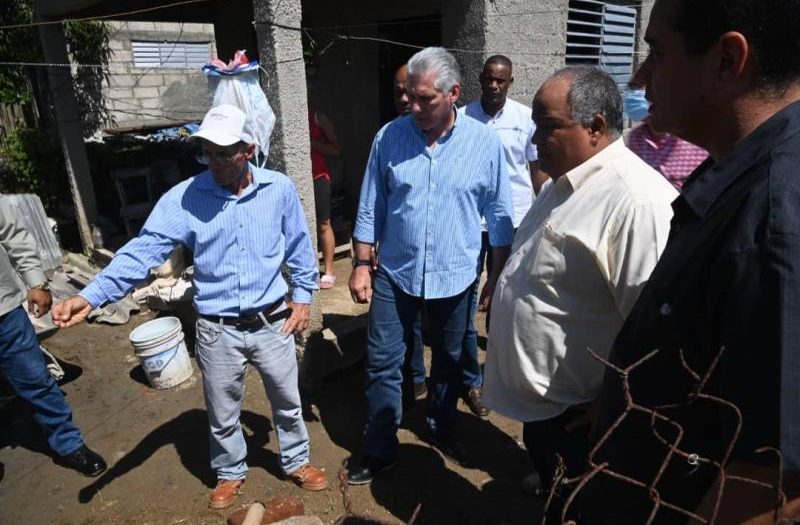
{"points": [[156, 445]]}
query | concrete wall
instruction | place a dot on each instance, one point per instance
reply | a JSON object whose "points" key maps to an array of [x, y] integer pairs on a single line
{"points": [[139, 96], [532, 35]]}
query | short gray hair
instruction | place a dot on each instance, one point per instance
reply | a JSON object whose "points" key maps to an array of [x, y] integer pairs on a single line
{"points": [[592, 92], [440, 61]]}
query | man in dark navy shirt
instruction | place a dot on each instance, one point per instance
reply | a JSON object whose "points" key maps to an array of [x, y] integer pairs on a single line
{"points": [[724, 299]]}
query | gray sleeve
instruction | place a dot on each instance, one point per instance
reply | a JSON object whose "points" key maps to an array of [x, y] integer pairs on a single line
{"points": [[19, 245]]}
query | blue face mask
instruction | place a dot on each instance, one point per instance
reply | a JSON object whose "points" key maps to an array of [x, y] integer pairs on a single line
{"points": [[636, 106]]}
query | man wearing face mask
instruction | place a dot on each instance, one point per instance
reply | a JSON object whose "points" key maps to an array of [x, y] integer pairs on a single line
{"points": [[670, 155], [242, 223]]}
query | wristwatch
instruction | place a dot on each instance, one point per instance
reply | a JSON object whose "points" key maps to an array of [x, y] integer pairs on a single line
{"points": [[42, 286], [361, 262]]}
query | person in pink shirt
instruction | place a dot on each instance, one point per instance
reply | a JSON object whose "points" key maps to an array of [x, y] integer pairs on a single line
{"points": [[671, 156]]}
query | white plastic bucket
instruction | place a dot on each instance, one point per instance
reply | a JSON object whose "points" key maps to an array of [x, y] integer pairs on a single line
{"points": [[160, 348]]}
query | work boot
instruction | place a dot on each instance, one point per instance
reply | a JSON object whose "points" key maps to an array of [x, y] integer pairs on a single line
{"points": [[225, 493], [309, 477]]}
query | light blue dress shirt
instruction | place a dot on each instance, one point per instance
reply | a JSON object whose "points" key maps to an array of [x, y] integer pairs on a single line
{"points": [[424, 207], [239, 244]]}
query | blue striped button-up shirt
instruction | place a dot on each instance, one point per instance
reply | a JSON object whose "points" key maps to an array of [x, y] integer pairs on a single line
{"points": [[238, 243], [423, 207]]}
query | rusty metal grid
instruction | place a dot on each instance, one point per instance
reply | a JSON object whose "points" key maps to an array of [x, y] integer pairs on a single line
{"points": [[577, 484]]}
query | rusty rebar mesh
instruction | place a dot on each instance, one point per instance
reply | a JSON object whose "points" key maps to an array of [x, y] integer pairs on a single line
{"points": [[674, 451], [350, 517]]}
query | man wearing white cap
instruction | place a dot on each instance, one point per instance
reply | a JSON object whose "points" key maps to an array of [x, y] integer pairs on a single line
{"points": [[242, 223]]}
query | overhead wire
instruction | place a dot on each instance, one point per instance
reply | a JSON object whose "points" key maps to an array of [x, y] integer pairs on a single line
{"points": [[107, 16]]}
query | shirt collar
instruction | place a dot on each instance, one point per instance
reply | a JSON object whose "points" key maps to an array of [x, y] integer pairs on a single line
{"points": [[496, 115], [580, 174], [711, 179], [451, 131], [261, 177]]}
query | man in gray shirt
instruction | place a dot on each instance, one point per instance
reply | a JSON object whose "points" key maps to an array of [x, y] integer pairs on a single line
{"points": [[21, 360]]}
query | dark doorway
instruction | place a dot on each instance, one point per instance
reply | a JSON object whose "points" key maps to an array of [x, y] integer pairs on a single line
{"points": [[420, 31]]}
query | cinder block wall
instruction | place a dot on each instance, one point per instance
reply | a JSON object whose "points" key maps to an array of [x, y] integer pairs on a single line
{"points": [[138, 96], [532, 33]]}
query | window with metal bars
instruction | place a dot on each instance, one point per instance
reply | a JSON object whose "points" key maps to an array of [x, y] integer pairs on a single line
{"points": [[170, 54], [602, 34]]}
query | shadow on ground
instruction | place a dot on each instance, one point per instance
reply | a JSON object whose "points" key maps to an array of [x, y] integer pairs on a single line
{"points": [[447, 497], [188, 434], [421, 475]]}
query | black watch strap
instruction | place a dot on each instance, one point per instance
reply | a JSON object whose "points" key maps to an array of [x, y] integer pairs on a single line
{"points": [[361, 262]]}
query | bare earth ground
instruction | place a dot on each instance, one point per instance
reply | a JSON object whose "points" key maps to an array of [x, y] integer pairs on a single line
{"points": [[155, 442]]}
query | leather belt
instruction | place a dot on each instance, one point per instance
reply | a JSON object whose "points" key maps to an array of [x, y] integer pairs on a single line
{"points": [[255, 321]]}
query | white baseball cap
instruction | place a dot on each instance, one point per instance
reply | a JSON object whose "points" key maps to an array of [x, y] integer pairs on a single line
{"points": [[224, 125]]}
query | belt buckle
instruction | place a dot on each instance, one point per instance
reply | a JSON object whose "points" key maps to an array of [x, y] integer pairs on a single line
{"points": [[247, 323]]}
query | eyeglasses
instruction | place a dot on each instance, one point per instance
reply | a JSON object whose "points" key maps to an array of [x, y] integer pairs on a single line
{"points": [[223, 157]]}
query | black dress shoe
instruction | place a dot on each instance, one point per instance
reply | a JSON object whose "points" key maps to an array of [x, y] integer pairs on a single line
{"points": [[83, 460], [453, 450], [364, 472]]}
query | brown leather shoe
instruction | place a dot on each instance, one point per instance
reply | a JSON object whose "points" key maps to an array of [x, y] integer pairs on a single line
{"points": [[473, 401], [225, 493], [309, 477]]}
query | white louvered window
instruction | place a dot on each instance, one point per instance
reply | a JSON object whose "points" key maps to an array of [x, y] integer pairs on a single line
{"points": [[170, 54], [602, 34]]}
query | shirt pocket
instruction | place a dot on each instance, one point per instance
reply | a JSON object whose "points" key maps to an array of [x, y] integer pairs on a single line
{"points": [[547, 265]]}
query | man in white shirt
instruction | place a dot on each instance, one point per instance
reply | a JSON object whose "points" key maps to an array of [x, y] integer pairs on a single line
{"points": [[512, 122], [579, 260]]}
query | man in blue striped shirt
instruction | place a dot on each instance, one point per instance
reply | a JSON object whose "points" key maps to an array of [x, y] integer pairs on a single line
{"points": [[241, 222], [430, 177]]}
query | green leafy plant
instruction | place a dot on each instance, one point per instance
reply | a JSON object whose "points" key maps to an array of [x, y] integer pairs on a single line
{"points": [[31, 160], [33, 163]]}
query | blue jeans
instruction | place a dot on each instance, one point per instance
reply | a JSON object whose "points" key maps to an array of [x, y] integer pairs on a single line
{"points": [[222, 355], [392, 316], [415, 357], [471, 372], [22, 362], [471, 368]]}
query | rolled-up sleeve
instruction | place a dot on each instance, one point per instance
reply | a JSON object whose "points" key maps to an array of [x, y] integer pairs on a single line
{"points": [[498, 211], [299, 256]]}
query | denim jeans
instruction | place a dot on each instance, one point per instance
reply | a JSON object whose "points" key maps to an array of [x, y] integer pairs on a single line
{"points": [[22, 362], [414, 367], [222, 355], [392, 316]]}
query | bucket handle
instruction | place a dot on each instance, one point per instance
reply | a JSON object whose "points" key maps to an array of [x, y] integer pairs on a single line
{"points": [[157, 363]]}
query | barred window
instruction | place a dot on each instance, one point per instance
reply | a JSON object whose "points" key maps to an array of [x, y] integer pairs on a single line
{"points": [[170, 54], [602, 34]]}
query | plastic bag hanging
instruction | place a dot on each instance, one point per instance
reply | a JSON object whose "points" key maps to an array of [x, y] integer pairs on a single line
{"points": [[237, 84]]}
